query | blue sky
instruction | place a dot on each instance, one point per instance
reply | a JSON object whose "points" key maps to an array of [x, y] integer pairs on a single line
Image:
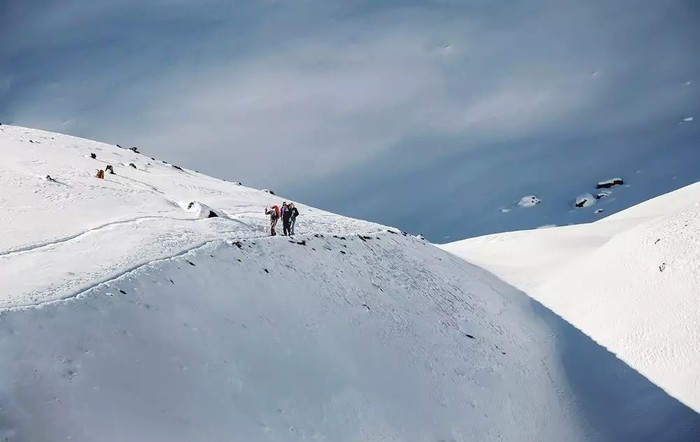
{"points": [[431, 115]]}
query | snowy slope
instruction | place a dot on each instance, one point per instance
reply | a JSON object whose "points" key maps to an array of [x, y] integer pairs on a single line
{"points": [[630, 281], [128, 314], [78, 230]]}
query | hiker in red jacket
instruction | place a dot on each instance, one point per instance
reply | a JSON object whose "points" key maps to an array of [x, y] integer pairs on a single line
{"points": [[274, 213]]}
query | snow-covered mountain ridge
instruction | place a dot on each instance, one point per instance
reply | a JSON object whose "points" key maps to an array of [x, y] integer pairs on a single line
{"points": [[630, 281], [127, 314], [74, 229]]}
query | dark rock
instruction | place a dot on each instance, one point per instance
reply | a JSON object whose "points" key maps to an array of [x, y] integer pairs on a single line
{"points": [[119, 146], [237, 244], [177, 167], [132, 165], [212, 214], [610, 183], [190, 263], [110, 169], [122, 292], [266, 271], [172, 282], [134, 149], [93, 156], [657, 241]]}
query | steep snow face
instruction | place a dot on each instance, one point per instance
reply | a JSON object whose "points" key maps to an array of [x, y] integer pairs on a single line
{"points": [[372, 337], [630, 281]]}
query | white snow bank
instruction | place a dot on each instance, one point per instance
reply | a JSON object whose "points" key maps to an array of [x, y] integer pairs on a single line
{"points": [[688, 119], [638, 297], [529, 201]]}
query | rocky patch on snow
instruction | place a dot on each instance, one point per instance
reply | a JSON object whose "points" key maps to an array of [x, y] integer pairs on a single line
{"points": [[612, 182], [529, 201], [201, 210], [603, 194], [584, 200]]}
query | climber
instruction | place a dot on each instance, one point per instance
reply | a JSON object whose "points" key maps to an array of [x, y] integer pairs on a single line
{"points": [[286, 217], [293, 218], [274, 214]]}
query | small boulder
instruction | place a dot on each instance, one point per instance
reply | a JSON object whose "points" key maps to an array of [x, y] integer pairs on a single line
{"points": [[200, 210], [132, 165], [584, 200], [612, 182], [134, 149], [529, 201], [93, 156], [268, 191]]}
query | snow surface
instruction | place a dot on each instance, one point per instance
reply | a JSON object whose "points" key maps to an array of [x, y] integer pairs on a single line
{"points": [[630, 281], [78, 230], [129, 314]]}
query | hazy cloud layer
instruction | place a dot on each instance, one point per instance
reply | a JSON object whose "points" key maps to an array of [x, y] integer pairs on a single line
{"points": [[292, 94]]}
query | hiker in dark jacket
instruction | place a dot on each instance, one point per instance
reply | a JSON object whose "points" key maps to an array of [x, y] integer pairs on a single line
{"points": [[293, 218], [286, 218]]}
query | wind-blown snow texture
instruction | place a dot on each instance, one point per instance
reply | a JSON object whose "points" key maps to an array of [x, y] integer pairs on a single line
{"points": [[128, 314], [630, 281]]}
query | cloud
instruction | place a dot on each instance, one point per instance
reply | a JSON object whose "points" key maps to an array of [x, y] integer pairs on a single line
{"points": [[275, 93]]}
